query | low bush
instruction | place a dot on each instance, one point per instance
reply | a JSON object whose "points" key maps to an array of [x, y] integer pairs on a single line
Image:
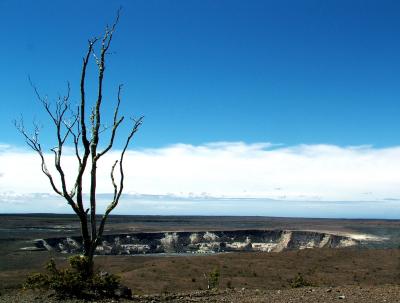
{"points": [[299, 281], [75, 281], [213, 279]]}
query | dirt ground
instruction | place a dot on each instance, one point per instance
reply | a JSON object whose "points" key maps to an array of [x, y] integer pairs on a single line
{"points": [[170, 274], [357, 294]]}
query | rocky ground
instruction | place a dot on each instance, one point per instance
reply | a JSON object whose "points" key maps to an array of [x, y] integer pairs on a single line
{"points": [[375, 294]]}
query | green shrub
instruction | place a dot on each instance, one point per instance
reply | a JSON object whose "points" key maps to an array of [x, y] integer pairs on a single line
{"points": [[213, 279], [105, 284], [75, 281], [299, 281], [37, 281]]}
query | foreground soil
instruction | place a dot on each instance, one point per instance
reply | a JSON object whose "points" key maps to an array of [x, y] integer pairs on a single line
{"points": [[347, 275], [383, 293], [170, 274]]}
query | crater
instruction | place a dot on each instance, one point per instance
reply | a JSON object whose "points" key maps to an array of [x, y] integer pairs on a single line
{"points": [[203, 242]]}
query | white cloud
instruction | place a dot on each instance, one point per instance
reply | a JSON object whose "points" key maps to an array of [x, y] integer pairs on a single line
{"points": [[230, 170]]}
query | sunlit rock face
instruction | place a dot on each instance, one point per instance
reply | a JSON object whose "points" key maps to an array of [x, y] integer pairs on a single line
{"points": [[202, 242]]}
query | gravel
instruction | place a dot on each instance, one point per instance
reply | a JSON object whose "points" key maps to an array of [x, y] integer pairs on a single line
{"points": [[373, 294]]}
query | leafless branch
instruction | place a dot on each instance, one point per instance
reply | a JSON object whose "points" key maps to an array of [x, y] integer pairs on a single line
{"points": [[33, 142], [116, 122], [96, 122], [72, 126], [118, 190]]}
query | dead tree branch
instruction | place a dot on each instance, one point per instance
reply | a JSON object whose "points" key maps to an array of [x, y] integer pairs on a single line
{"points": [[72, 126]]}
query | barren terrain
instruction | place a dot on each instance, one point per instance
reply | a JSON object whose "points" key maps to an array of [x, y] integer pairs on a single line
{"points": [[371, 272]]}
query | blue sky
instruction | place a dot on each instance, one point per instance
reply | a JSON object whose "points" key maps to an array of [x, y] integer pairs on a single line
{"points": [[309, 79], [201, 71]]}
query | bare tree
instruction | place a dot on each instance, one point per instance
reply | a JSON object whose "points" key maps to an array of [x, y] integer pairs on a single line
{"points": [[71, 126]]}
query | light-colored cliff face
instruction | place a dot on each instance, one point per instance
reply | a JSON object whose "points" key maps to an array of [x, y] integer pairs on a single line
{"points": [[203, 242]]}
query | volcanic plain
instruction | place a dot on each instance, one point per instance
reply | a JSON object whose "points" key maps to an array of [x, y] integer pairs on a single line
{"points": [[373, 264]]}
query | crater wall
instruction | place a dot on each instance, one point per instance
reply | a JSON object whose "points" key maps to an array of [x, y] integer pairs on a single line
{"points": [[202, 242]]}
